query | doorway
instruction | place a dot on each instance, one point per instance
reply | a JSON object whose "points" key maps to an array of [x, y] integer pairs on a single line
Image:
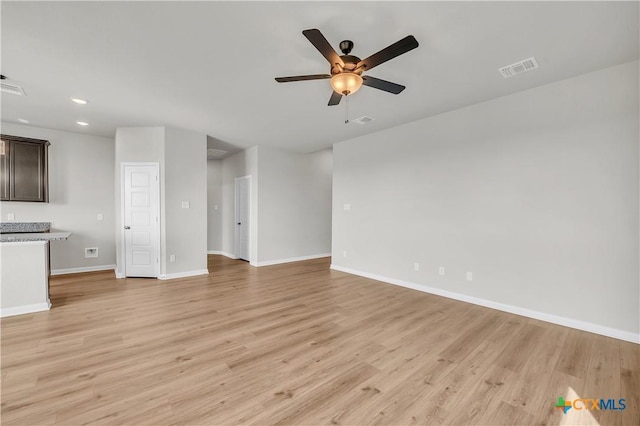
{"points": [[141, 219], [242, 214]]}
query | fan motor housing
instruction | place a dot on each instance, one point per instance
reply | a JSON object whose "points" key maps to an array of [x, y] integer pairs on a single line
{"points": [[350, 64]]}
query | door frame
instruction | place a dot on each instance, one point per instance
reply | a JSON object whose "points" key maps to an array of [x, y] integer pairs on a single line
{"points": [[236, 233], [123, 251]]}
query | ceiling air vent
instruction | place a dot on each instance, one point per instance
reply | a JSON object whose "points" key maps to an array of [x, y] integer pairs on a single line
{"points": [[519, 67], [10, 88], [362, 120], [216, 153]]}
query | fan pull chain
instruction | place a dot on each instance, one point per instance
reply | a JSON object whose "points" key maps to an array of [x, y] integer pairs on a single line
{"points": [[346, 109]]}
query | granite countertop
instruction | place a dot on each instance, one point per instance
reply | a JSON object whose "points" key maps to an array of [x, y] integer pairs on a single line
{"points": [[28, 227], [36, 236]]}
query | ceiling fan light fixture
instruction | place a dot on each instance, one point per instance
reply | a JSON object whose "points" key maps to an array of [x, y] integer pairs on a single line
{"points": [[346, 83]]}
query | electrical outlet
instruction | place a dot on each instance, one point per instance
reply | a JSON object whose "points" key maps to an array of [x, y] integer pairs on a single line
{"points": [[185, 204], [347, 207], [100, 216], [344, 253], [11, 216], [90, 252], [215, 207], [416, 266], [469, 276], [172, 258], [441, 270]]}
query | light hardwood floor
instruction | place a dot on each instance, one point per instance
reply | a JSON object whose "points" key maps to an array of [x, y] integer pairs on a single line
{"points": [[296, 344]]}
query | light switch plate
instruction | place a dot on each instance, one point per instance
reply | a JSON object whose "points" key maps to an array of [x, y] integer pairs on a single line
{"points": [[347, 207], [100, 216], [185, 204], [11, 216]]}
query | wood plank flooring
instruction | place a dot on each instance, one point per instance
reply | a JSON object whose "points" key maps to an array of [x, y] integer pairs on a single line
{"points": [[296, 344]]}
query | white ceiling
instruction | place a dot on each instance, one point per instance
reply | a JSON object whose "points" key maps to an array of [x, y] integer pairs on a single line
{"points": [[210, 66]]}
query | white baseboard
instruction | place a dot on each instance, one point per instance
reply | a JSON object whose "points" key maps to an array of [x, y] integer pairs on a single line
{"points": [[82, 269], [214, 251], [184, 274], [292, 259], [542, 316], [229, 255], [25, 309]]}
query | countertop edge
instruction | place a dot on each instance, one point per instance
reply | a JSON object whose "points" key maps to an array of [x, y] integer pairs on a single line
{"points": [[34, 237], [25, 243]]}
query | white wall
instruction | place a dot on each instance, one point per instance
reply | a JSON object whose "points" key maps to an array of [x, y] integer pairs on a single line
{"points": [[186, 180], [214, 199], [295, 204], [244, 163], [181, 155], [536, 193], [80, 187]]}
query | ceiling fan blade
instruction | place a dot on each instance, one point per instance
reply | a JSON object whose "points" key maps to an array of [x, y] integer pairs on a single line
{"points": [[317, 39], [396, 49], [335, 98], [302, 78], [385, 85]]}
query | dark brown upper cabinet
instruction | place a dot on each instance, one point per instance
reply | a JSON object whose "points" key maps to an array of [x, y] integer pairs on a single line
{"points": [[23, 169]]}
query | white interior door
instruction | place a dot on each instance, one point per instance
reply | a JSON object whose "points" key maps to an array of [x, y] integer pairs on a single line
{"points": [[243, 190], [141, 217]]}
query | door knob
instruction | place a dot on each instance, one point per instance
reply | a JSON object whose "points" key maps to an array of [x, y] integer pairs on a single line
{"points": [[127, 227], [239, 223]]}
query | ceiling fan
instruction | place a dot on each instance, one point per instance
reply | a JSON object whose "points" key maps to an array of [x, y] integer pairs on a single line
{"points": [[346, 70]]}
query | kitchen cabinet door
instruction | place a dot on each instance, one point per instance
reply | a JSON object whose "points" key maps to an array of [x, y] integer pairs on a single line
{"points": [[27, 178]]}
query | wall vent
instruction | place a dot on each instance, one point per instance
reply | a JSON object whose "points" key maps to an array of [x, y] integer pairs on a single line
{"points": [[216, 153], [362, 120], [519, 67], [10, 88]]}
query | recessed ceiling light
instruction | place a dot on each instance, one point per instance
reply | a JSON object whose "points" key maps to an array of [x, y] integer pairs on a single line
{"points": [[82, 123], [79, 101], [22, 120]]}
